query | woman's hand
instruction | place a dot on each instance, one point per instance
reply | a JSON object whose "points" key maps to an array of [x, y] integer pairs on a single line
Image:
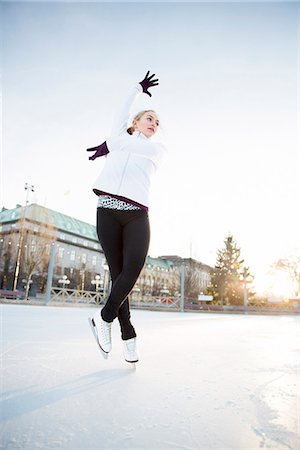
{"points": [[100, 150], [147, 82]]}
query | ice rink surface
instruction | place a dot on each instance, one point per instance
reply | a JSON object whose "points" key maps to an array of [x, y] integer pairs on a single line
{"points": [[204, 381]]}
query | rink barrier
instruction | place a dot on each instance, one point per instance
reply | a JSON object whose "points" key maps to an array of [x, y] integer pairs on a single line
{"points": [[75, 296], [163, 303]]}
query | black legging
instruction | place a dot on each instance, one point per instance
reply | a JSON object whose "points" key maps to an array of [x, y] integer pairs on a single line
{"points": [[124, 237]]}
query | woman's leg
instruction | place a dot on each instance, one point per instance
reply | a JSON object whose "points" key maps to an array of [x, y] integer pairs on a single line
{"points": [[127, 329], [110, 234], [136, 237]]}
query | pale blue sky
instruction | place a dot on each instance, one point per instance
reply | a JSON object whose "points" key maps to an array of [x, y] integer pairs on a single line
{"points": [[227, 99]]}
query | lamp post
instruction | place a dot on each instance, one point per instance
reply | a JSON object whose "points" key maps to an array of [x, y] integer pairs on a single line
{"points": [[82, 273], [182, 285], [245, 275], [106, 287], [27, 287], [1, 248], [50, 272], [28, 188], [97, 282], [1, 251], [64, 281]]}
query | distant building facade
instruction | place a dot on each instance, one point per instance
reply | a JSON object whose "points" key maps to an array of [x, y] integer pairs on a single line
{"points": [[197, 274], [158, 278], [161, 277], [78, 255]]}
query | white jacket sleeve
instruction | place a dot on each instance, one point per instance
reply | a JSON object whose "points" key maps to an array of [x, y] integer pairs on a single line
{"points": [[120, 123]]}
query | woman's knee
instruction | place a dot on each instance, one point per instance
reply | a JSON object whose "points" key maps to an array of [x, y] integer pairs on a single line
{"points": [[133, 267]]}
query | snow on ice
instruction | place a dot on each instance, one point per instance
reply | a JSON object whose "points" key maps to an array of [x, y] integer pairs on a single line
{"points": [[204, 381]]}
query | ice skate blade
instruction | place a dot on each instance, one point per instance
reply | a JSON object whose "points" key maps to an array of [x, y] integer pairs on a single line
{"points": [[103, 353], [132, 365], [132, 362]]}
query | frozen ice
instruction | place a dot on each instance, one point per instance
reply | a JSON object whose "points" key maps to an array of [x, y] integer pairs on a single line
{"points": [[204, 381]]}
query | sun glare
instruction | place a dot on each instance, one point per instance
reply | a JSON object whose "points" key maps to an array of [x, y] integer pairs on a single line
{"points": [[276, 284]]}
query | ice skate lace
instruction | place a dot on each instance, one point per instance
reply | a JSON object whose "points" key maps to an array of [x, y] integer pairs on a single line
{"points": [[105, 330]]}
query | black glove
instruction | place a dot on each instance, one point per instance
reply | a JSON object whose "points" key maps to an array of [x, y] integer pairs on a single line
{"points": [[147, 82], [101, 150]]}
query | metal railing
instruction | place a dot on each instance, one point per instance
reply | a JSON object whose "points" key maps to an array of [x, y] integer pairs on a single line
{"points": [[163, 303], [62, 295]]}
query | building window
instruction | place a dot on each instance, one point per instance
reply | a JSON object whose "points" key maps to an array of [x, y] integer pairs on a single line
{"points": [[62, 236], [85, 243], [36, 228], [83, 258], [72, 256], [61, 252], [96, 246], [74, 240], [94, 260]]}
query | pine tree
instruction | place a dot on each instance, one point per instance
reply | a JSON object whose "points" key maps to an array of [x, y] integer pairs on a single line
{"points": [[226, 284]]}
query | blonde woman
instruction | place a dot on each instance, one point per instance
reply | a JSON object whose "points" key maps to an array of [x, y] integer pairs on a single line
{"points": [[122, 213]]}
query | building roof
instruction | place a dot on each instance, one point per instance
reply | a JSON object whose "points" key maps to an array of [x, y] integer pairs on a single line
{"points": [[177, 260], [40, 214], [162, 263]]}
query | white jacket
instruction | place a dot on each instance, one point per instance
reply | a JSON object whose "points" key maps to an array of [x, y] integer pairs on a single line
{"points": [[132, 159]]}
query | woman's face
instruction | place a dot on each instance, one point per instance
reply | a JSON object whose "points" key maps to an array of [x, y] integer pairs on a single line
{"points": [[147, 124]]}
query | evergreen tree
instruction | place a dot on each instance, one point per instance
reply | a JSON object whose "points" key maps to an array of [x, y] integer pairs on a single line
{"points": [[226, 284]]}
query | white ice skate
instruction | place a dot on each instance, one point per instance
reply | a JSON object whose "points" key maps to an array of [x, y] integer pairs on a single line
{"points": [[130, 351], [102, 333]]}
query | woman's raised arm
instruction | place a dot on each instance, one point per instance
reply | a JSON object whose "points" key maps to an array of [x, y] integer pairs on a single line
{"points": [[121, 120], [120, 124]]}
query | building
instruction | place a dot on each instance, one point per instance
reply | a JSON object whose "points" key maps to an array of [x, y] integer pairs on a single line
{"points": [[29, 233], [161, 277], [158, 278], [197, 274], [35, 229]]}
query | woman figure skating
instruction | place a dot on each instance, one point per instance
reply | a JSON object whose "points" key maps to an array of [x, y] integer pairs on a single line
{"points": [[122, 213]]}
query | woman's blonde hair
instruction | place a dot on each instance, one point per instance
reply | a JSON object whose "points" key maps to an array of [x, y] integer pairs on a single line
{"points": [[130, 130]]}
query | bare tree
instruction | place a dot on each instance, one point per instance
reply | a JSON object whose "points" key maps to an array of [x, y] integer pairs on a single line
{"points": [[174, 283], [191, 282], [291, 265], [35, 255], [7, 265]]}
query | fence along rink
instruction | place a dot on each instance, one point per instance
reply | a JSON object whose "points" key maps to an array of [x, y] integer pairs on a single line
{"points": [[75, 296], [65, 295]]}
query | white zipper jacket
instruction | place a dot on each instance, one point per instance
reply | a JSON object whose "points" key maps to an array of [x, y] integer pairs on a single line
{"points": [[132, 159]]}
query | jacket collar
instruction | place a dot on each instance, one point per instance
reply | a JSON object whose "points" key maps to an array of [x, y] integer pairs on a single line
{"points": [[139, 134]]}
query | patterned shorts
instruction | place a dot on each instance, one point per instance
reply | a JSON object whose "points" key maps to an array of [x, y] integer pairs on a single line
{"points": [[106, 201]]}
